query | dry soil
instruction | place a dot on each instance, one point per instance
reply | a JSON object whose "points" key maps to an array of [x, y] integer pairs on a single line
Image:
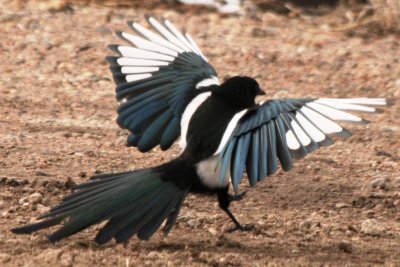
{"points": [[338, 207]]}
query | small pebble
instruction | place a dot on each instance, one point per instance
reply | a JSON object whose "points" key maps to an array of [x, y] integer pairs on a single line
{"points": [[341, 205], [194, 223], [27, 189], [153, 255], [35, 198], [305, 225], [371, 227], [42, 209], [12, 209], [66, 259], [212, 231], [308, 238], [23, 200], [49, 255], [380, 183]]}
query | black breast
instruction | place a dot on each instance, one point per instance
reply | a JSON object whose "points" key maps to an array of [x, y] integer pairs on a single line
{"points": [[206, 128]]}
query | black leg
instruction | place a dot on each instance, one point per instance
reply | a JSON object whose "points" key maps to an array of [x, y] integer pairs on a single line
{"points": [[224, 200]]}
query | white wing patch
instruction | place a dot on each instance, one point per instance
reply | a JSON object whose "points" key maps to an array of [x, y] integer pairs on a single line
{"points": [[133, 70], [155, 38], [194, 45], [360, 101], [167, 35], [124, 61], [187, 115], [292, 141], [148, 45], [323, 123], [334, 113], [344, 106], [314, 132], [178, 35], [154, 50], [133, 52], [137, 77], [303, 137], [317, 121]]}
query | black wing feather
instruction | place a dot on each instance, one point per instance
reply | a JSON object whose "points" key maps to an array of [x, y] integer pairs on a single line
{"points": [[269, 129], [176, 68]]}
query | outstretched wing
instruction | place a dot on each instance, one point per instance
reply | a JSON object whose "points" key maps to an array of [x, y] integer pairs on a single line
{"points": [[280, 130], [157, 75]]}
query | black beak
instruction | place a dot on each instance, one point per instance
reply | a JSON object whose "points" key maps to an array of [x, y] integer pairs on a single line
{"points": [[260, 92]]}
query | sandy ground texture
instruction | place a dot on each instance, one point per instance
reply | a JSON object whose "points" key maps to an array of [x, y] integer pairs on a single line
{"points": [[338, 207]]}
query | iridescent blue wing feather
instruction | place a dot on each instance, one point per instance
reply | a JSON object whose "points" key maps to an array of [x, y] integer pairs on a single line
{"points": [[285, 129], [157, 75]]}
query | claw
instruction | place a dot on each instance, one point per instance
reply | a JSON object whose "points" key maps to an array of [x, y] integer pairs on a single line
{"points": [[237, 197]]}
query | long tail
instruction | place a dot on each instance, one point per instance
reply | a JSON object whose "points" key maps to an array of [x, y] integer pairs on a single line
{"points": [[135, 202]]}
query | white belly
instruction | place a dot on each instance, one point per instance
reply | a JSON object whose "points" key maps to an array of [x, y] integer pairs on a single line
{"points": [[209, 173]]}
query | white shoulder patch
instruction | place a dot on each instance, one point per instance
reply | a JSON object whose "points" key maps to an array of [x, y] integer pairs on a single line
{"points": [[213, 80], [229, 130], [187, 115]]}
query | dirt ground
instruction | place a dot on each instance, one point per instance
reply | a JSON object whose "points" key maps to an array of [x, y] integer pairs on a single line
{"points": [[339, 206]]}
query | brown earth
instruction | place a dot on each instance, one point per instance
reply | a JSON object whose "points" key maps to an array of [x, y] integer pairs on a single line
{"points": [[338, 207]]}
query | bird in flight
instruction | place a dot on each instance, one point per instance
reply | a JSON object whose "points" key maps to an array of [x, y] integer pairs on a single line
{"points": [[167, 89]]}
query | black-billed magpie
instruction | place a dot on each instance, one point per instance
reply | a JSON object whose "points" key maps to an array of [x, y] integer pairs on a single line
{"points": [[166, 89]]}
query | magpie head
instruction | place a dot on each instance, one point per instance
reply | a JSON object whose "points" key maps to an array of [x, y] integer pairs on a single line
{"points": [[241, 90]]}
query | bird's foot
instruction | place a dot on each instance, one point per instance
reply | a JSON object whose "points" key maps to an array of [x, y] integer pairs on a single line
{"points": [[243, 227], [237, 196]]}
